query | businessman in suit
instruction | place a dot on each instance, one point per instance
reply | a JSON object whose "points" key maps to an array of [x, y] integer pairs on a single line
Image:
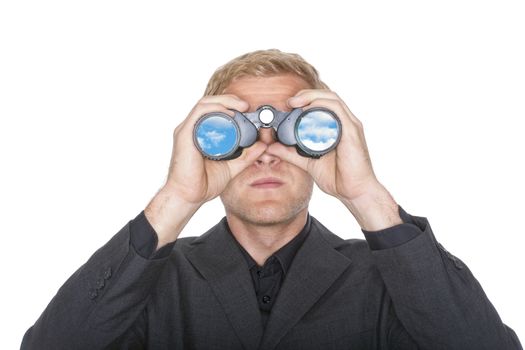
{"points": [[269, 275]]}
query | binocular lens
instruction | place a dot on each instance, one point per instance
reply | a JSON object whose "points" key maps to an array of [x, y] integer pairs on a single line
{"points": [[317, 131], [313, 132], [217, 135]]}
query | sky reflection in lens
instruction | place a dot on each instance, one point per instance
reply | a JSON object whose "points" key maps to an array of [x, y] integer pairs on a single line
{"points": [[318, 130], [216, 136]]}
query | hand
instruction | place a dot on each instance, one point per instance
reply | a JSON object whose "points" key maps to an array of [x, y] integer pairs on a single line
{"points": [[346, 172], [193, 180]]}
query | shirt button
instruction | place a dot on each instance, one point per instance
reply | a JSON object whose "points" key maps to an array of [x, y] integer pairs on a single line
{"points": [[100, 283], [107, 273], [266, 299], [92, 294]]}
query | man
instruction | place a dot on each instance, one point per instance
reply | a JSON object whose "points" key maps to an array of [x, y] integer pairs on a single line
{"points": [[269, 275]]}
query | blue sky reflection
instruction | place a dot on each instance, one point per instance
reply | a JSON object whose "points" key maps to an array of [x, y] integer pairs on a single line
{"points": [[318, 130], [217, 136]]}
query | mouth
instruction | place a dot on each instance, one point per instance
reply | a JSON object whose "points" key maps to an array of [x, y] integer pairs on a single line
{"points": [[267, 182]]}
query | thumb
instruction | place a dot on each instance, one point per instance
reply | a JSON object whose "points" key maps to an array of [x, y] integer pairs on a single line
{"points": [[248, 156], [288, 154]]}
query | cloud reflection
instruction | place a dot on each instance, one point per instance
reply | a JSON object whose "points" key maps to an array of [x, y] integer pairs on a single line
{"points": [[216, 136], [318, 130]]}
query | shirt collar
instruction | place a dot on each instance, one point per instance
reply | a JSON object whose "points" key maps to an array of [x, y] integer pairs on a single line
{"points": [[285, 254]]}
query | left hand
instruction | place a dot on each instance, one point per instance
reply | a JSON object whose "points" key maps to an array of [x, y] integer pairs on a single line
{"points": [[346, 172]]}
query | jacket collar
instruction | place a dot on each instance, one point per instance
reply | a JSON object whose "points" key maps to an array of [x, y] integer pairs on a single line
{"points": [[315, 267], [284, 254]]}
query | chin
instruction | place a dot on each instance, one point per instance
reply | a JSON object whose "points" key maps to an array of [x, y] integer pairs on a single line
{"points": [[266, 214], [268, 209]]}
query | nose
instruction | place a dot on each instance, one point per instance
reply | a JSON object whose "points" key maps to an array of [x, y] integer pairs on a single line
{"points": [[267, 135]]}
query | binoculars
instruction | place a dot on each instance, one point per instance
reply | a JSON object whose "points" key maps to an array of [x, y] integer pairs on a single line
{"points": [[313, 132]]}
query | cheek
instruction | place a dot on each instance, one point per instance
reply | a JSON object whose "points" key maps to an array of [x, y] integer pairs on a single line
{"points": [[307, 184], [230, 191], [301, 177], [301, 185]]}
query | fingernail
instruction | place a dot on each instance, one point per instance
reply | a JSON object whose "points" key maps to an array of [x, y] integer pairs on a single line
{"points": [[245, 105]]}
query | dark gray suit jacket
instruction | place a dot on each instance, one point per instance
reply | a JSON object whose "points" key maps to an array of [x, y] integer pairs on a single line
{"points": [[338, 294]]}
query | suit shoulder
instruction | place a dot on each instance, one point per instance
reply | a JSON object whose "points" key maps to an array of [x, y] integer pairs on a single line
{"points": [[354, 247], [355, 243], [351, 246], [184, 243]]}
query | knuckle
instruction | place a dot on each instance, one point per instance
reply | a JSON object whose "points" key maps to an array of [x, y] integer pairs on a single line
{"points": [[330, 103], [304, 91], [357, 122], [231, 96], [203, 100], [205, 107], [339, 103]]}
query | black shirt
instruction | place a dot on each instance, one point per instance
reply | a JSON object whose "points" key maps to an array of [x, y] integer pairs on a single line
{"points": [[267, 279]]}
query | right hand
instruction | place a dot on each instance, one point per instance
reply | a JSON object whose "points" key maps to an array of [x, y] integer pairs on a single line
{"points": [[192, 179]]}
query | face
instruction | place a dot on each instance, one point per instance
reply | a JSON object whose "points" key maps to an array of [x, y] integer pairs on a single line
{"points": [[271, 190]]}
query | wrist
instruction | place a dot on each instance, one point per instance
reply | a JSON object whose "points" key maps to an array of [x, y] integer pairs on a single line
{"points": [[168, 213], [375, 209]]}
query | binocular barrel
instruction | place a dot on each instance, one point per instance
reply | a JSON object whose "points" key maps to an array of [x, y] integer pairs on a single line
{"points": [[314, 132]]}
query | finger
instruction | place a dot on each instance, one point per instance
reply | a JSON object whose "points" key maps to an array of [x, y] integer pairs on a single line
{"points": [[197, 112], [203, 108], [183, 133], [248, 157], [305, 97], [288, 154], [338, 107], [183, 138], [228, 100], [352, 141], [215, 103], [219, 103]]}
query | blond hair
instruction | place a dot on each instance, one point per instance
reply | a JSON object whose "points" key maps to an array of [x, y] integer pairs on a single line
{"points": [[263, 63]]}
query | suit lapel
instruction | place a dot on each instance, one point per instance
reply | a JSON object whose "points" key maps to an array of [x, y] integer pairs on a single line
{"points": [[218, 258], [315, 268]]}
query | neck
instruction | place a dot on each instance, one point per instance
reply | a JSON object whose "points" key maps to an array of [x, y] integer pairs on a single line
{"points": [[262, 240]]}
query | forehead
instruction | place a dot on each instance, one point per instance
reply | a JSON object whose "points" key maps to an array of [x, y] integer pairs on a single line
{"points": [[273, 90]]}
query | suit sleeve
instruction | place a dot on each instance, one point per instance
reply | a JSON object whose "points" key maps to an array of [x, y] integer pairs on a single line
{"points": [[435, 296], [102, 302]]}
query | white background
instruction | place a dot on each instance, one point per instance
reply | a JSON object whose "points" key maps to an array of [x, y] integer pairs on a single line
{"points": [[90, 93]]}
